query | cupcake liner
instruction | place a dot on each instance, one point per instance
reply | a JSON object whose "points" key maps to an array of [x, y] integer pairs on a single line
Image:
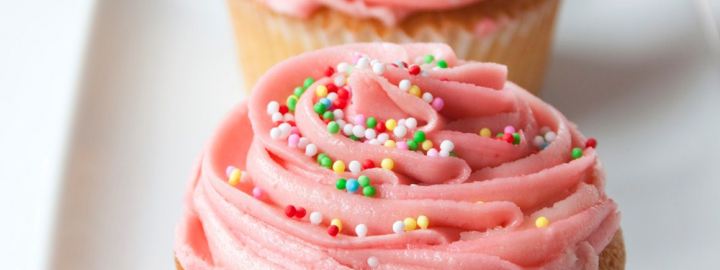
{"points": [[516, 33]]}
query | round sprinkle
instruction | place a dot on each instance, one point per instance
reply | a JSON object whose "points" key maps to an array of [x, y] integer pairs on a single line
{"points": [[542, 222], [412, 145], [340, 183], [333, 127], [400, 131], [387, 164], [354, 166], [273, 107], [447, 146], [423, 222], [577, 152], [442, 64], [378, 68], [333, 230], [516, 138], [398, 227], [414, 70], [427, 97], [426, 145], [310, 150], [550, 136], [538, 141], [300, 212], [235, 176], [257, 192], [364, 181], [319, 108], [389, 144], [419, 136], [361, 230], [373, 262], [321, 156], [410, 224], [358, 131], [428, 59], [390, 124], [432, 152], [275, 133], [438, 103], [339, 80], [308, 81], [326, 162], [229, 170], [508, 137], [370, 134], [368, 164], [298, 91], [291, 102], [290, 211], [337, 223], [347, 129], [321, 91], [359, 119], [415, 91], [444, 153], [352, 185], [369, 191], [371, 122], [283, 109], [411, 123], [590, 143], [363, 62], [293, 140], [315, 218], [485, 132], [338, 166], [276, 117], [509, 129], [404, 85], [328, 115]]}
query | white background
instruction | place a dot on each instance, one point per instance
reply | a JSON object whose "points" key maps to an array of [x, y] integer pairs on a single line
{"points": [[104, 106]]}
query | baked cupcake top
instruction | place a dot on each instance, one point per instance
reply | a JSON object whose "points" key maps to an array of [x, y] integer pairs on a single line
{"points": [[395, 156], [389, 12]]}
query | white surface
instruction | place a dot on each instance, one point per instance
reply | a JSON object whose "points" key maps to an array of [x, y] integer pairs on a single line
{"points": [[160, 75]]}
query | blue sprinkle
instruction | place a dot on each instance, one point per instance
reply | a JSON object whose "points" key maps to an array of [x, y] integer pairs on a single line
{"points": [[352, 185], [326, 102]]}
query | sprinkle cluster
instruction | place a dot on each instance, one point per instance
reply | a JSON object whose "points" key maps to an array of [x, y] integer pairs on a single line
{"points": [[509, 134]]}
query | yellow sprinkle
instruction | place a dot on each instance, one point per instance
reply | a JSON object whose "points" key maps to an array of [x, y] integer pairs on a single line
{"points": [[415, 91], [423, 222], [541, 222], [485, 132], [338, 166], [427, 144], [390, 124], [235, 176], [337, 223], [390, 143], [321, 91], [410, 224], [387, 163]]}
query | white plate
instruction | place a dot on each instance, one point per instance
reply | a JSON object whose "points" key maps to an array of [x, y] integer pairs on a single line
{"points": [[161, 75]]}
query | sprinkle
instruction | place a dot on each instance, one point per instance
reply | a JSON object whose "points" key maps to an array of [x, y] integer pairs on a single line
{"points": [[339, 103], [300, 212], [508, 137], [444, 153], [339, 80], [326, 102], [283, 109], [423, 222], [333, 127], [272, 107], [275, 133], [321, 156], [370, 134], [343, 93], [326, 162], [354, 166], [432, 152], [347, 129], [541, 222], [338, 166], [328, 115], [235, 176], [298, 91], [336, 222], [516, 138], [368, 164], [402, 145], [382, 137], [364, 181], [400, 131], [361, 230], [276, 117], [290, 210], [387, 164], [340, 183], [319, 108], [359, 119], [329, 71], [284, 129], [358, 131], [369, 191], [590, 143], [411, 123], [419, 136], [257, 192], [577, 152], [442, 64], [426, 145], [390, 124], [509, 129], [428, 58], [310, 150], [389, 144], [315, 218], [404, 85], [288, 117], [550, 136], [410, 224], [373, 262], [438, 103], [427, 97], [362, 63], [333, 230], [338, 114], [352, 185], [398, 227], [412, 145], [378, 68], [343, 67], [371, 122], [229, 170], [544, 130], [447, 146], [414, 70], [415, 91], [538, 141], [308, 81], [293, 140]]}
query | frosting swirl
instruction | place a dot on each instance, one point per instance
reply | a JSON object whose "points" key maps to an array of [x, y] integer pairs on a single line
{"points": [[531, 200]]}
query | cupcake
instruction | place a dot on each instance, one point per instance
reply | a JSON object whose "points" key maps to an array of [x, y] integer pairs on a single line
{"points": [[516, 33], [350, 158]]}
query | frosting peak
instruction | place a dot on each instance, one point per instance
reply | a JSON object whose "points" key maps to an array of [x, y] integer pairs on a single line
{"points": [[395, 156]]}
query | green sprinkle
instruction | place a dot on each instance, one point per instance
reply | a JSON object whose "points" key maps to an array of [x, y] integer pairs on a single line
{"points": [[340, 184], [308, 82], [419, 137], [328, 115], [412, 145], [333, 127], [326, 162], [298, 91], [291, 102], [371, 122], [364, 180], [516, 138], [319, 108], [577, 152], [428, 59], [354, 138], [499, 135], [369, 191], [321, 156], [442, 64]]}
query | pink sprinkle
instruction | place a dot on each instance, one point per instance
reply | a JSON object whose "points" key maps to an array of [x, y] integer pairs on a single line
{"points": [[295, 130], [293, 140], [360, 119], [438, 103], [401, 145], [229, 170], [432, 152], [509, 129], [257, 192]]}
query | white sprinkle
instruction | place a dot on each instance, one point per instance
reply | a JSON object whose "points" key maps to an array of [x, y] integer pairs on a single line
{"points": [[378, 68], [432, 152], [284, 130], [273, 107], [358, 131], [401, 122], [538, 141], [332, 96], [400, 131], [303, 142], [427, 97], [404, 85], [411, 123], [383, 137], [544, 130], [398, 227], [275, 133], [310, 150], [373, 142], [355, 166], [276, 117], [447, 146], [348, 129], [343, 67], [340, 122], [315, 218], [550, 136], [339, 80], [444, 153], [338, 113], [370, 134], [363, 63], [361, 230], [373, 262], [289, 117]]}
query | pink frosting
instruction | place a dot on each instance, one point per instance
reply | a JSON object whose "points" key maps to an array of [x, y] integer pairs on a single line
{"points": [[389, 12], [225, 227]]}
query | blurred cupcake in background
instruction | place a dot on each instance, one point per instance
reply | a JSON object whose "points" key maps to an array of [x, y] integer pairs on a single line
{"points": [[516, 33]]}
